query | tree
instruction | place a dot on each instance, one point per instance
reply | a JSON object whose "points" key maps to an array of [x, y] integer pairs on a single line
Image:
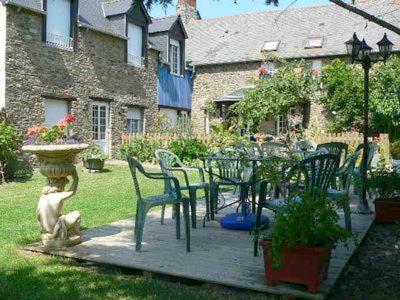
{"points": [[385, 97], [343, 96]]}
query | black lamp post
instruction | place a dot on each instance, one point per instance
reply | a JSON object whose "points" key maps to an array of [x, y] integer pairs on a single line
{"points": [[361, 52]]}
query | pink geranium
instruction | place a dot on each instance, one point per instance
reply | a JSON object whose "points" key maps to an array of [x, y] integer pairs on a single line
{"points": [[262, 70], [68, 119], [36, 130]]}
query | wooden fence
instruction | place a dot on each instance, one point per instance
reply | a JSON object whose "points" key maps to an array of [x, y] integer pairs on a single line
{"points": [[165, 139], [353, 139]]}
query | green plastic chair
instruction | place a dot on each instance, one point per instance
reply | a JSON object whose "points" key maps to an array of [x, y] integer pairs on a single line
{"points": [[172, 196], [341, 195], [170, 163], [306, 145], [229, 172], [358, 171], [316, 172], [337, 148], [252, 148], [269, 149]]}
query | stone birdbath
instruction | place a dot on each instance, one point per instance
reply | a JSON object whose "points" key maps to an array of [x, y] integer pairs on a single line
{"points": [[56, 163]]}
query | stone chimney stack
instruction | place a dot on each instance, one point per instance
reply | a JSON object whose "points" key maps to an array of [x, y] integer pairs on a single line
{"points": [[188, 10]]}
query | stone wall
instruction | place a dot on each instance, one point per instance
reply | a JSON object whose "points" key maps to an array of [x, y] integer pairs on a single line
{"points": [[96, 70], [214, 81]]}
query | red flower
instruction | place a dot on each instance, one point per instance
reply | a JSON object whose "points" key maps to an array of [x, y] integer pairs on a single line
{"points": [[68, 119], [262, 70]]}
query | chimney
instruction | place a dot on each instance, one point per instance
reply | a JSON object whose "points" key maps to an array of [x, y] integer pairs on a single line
{"points": [[188, 11]]}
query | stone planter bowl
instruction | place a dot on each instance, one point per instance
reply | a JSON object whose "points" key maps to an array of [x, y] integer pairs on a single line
{"points": [[56, 161]]}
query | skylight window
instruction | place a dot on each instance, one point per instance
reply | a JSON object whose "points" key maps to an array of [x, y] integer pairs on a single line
{"points": [[271, 46], [315, 42]]}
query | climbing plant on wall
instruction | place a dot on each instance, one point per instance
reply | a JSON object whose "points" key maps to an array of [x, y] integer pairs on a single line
{"points": [[291, 85]]}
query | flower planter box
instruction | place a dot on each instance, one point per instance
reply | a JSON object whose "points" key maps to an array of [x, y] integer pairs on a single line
{"points": [[387, 211], [94, 164], [300, 265]]}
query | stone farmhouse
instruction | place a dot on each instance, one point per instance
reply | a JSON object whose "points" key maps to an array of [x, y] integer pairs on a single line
{"points": [[114, 67], [94, 59], [226, 52]]}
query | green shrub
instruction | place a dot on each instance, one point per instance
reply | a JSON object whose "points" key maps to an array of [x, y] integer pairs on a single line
{"points": [[308, 223], [93, 152], [141, 148], [9, 146], [384, 184], [189, 150], [395, 150]]}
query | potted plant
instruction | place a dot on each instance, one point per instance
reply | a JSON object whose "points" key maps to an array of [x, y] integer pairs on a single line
{"points": [[298, 250], [395, 154], [93, 158], [384, 185], [56, 150]]}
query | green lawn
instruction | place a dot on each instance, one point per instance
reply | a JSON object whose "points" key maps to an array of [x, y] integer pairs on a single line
{"points": [[101, 199]]}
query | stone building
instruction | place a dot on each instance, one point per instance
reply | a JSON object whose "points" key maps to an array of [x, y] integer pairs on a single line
{"points": [[90, 58], [226, 52]]}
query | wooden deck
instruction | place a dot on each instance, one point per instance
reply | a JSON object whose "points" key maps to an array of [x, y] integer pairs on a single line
{"points": [[218, 255]]}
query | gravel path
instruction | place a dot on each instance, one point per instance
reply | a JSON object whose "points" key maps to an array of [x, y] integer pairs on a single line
{"points": [[374, 271]]}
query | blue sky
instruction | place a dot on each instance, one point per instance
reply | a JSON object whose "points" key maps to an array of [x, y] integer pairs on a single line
{"points": [[220, 8]]}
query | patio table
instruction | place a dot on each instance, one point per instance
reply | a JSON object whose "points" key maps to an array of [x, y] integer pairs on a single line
{"points": [[243, 220]]}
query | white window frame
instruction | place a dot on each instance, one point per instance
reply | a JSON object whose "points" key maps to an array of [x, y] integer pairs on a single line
{"points": [[59, 35], [271, 46], [315, 42], [281, 125], [175, 45]]}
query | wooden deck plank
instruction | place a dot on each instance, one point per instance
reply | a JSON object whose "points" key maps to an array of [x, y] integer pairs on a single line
{"points": [[218, 256]]}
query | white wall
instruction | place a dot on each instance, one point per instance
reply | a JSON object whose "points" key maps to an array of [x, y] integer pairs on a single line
{"points": [[3, 15]]}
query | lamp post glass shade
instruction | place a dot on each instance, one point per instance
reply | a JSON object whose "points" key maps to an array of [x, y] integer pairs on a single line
{"points": [[353, 46], [385, 47], [364, 51]]}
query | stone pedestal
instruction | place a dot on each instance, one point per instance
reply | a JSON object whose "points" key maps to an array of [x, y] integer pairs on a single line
{"points": [[57, 164]]}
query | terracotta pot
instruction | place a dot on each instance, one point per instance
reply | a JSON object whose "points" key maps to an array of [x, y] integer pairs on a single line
{"points": [[56, 161], [300, 265], [95, 164], [387, 211]]}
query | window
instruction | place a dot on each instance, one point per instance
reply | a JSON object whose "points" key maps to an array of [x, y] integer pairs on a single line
{"points": [[316, 66], [281, 125], [135, 121], [55, 110], [172, 115], [135, 45], [271, 46], [314, 43], [175, 57], [58, 24]]}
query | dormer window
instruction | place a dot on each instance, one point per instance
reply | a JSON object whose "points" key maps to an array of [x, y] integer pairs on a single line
{"points": [[271, 46], [314, 43], [135, 45], [175, 56], [58, 24]]}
